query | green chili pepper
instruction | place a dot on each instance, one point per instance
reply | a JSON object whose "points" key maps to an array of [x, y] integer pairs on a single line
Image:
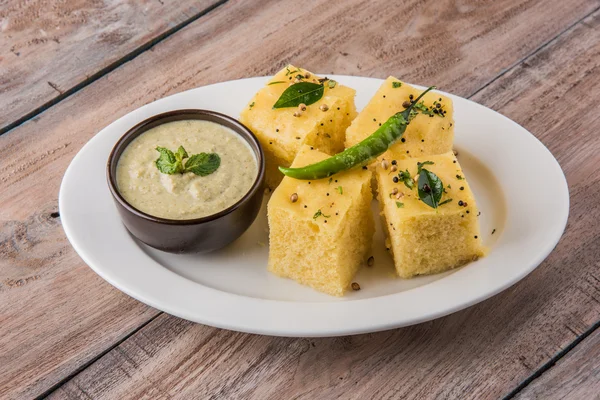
{"points": [[361, 153]]}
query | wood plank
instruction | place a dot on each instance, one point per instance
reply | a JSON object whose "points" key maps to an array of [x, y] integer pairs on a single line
{"points": [[34, 156], [576, 376], [49, 47], [482, 352]]}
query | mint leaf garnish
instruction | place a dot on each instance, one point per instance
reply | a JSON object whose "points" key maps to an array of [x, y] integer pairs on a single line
{"points": [[200, 164], [181, 153], [203, 164], [167, 162]]}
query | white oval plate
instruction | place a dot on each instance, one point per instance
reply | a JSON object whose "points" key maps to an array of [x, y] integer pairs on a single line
{"points": [[520, 189]]}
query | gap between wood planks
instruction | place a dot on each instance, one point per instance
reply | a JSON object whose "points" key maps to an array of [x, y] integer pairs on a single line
{"points": [[540, 371], [536, 374], [109, 68]]}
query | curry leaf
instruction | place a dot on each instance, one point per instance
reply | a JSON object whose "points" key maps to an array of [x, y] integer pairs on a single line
{"points": [[430, 188], [300, 93]]}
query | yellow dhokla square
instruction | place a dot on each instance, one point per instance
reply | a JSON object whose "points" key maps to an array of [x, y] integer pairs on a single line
{"points": [[426, 240], [322, 238], [428, 133], [281, 134]]}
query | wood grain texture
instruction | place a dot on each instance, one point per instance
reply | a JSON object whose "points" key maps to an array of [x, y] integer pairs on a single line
{"points": [[480, 353], [576, 376], [48, 47], [344, 38]]}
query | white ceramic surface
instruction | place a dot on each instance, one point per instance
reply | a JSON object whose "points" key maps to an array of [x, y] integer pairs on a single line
{"points": [[520, 189]]}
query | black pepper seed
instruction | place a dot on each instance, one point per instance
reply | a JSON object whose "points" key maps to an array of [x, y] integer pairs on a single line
{"points": [[365, 167], [475, 236], [321, 124], [276, 130], [374, 119], [305, 206], [336, 180], [312, 148], [395, 179], [336, 213], [438, 105], [407, 151], [270, 142], [355, 286], [338, 108], [394, 162], [467, 211], [422, 140], [454, 162], [460, 203], [325, 221], [380, 124], [462, 188], [403, 140], [406, 104], [384, 96], [435, 111], [309, 182], [410, 96], [327, 194]]}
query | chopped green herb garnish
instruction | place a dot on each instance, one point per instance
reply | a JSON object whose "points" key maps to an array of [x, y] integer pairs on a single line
{"points": [[330, 180], [420, 165], [331, 84], [444, 202], [319, 213], [251, 105], [420, 106], [399, 204], [340, 190], [275, 82], [405, 177], [459, 177], [396, 85], [290, 72], [200, 164]]}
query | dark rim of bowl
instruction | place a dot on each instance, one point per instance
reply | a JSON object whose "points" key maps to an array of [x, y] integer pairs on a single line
{"points": [[171, 116]]}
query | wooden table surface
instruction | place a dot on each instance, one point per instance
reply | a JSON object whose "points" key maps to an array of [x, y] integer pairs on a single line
{"points": [[69, 68]]}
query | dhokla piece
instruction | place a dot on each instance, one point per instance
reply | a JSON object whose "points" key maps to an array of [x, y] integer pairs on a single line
{"points": [[426, 240], [431, 131], [321, 230], [283, 131]]}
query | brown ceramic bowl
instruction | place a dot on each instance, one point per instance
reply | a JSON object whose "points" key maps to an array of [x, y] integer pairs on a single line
{"points": [[194, 235]]}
